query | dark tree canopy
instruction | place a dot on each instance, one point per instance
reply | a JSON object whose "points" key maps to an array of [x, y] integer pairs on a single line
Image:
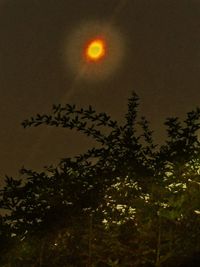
{"points": [[126, 202]]}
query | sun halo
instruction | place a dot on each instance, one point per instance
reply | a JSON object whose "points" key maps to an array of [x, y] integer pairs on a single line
{"points": [[107, 56]]}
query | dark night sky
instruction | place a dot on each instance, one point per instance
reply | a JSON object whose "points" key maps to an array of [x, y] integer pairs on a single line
{"points": [[161, 63]]}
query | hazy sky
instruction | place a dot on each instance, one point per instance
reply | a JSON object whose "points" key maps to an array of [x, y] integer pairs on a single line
{"points": [[161, 62]]}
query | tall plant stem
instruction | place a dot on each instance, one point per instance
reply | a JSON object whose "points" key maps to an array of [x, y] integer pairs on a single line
{"points": [[158, 250]]}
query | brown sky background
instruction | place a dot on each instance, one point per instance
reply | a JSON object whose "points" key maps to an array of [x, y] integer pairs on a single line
{"points": [[161, 63]]}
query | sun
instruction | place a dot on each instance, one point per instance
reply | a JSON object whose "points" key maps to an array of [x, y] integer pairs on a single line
{"points": [[95, 50]]}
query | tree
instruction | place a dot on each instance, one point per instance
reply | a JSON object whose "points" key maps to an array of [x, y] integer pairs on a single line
{"points": [[127, 201]]}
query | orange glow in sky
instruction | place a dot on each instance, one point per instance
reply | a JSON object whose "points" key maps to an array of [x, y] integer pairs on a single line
{"points": [[95, 50]]}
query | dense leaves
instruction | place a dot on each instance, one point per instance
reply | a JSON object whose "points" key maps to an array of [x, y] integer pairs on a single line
{"points": [[127, 202]]}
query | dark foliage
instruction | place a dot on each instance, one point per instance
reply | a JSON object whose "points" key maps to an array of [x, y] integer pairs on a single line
{"points": [[127, 202]]}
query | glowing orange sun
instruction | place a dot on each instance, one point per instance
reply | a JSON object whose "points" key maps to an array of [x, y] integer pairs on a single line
{"points": [[95, 50]]}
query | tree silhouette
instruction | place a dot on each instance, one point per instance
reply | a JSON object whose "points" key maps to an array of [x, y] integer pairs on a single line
{"points": [[126, 202]]}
